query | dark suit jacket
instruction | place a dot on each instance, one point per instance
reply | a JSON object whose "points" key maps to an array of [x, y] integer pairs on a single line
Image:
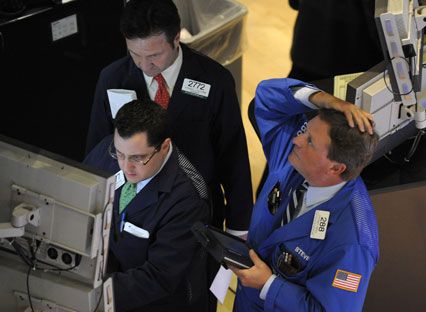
{"points": [[166, 272], [208, 131], [333, 37]]}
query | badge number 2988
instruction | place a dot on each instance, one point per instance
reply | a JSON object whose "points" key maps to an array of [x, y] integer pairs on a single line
{"points": [[196, 88]]}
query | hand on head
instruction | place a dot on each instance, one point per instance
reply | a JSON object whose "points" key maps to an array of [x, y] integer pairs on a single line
{"points": [[354, 115], [357, 116]]}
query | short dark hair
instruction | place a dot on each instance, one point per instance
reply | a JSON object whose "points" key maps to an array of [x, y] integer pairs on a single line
{"points": [[348, 145], [144, 18], [143, 116]]}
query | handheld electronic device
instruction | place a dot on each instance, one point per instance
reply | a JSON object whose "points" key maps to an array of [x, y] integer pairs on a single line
{"points": [[223, 247]]}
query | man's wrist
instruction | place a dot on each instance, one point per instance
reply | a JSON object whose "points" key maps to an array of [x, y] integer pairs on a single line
{"points": [[237, 233], [305, 94], [266, 287]]}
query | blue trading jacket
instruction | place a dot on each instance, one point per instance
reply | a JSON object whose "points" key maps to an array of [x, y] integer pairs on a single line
{"points": [[350, 248]]}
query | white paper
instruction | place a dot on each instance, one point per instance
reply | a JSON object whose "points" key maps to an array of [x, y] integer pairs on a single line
{"points": [[135, 230], [64, 27], [119, 179], [118, 97], [220, 284]]}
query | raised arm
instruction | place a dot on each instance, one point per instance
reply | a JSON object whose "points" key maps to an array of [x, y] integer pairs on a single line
{"points": [[355, 115]]}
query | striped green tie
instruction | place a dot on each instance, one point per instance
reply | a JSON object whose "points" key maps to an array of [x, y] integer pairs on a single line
{"points": [[127, 194]]}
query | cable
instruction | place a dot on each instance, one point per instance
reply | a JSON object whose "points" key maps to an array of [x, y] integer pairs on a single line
{"points": [[32, 261], [56, 268], [28, 288], [384, 77], [20, 252], [391, 160], [33, 267], [414, 145], [99, 300], [411, 152]]}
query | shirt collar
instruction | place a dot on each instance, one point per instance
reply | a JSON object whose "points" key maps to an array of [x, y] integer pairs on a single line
{"points": [[318, 195], [143, 183], [170, 74]]}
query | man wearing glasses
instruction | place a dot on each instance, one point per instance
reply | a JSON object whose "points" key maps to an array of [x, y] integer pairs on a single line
{"points": [[154, 260]]}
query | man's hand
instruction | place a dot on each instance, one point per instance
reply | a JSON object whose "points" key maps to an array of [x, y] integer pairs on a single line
{"points": [[354, 114], [257, 275]]}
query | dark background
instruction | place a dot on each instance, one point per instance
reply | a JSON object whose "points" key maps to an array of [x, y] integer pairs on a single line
{"points": [[46, 86]]}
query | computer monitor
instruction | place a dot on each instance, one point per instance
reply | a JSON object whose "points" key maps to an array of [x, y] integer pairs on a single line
{"points": [[59, 262], [394, 91]]}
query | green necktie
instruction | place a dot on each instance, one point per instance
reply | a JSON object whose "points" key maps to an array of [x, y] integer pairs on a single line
{"points": [[127, 194]]}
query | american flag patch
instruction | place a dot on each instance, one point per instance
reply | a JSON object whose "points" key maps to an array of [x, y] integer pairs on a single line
{"points": [[346, 280]]}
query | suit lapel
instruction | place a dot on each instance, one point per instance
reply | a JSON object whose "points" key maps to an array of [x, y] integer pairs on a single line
{"points": [[263, 223], [135, 81], [190, 69]]}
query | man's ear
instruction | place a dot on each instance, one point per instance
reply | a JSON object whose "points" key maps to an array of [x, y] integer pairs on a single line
{"points": [[176, 40], [337, 168], [165, 144]]}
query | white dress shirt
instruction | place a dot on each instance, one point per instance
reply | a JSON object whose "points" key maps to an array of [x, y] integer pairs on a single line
{"points": [[170, 75]]}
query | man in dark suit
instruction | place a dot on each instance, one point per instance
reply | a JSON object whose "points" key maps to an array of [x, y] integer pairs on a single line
{"points": [[200, 97], [155, 261], [333, 37]]}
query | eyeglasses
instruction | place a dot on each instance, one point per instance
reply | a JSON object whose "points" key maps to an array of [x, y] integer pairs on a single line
{"points": [[134, 159]]}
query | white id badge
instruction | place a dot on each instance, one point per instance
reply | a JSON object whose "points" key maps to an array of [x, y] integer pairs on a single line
{"points": [[119, 179], [135, 230], [319, 225], [196, 88]]}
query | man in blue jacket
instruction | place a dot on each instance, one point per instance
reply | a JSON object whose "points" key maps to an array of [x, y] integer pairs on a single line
{"points": [[315, 246], [155, 262]]}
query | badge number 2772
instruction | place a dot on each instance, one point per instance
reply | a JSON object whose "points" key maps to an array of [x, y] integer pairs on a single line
{"points": [[196, 88]]}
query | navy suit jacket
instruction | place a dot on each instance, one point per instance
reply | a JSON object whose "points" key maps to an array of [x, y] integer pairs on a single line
{"points": [[167, 271], [208, 131]]}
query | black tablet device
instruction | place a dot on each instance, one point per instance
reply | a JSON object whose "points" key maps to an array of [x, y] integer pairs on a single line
{"points": [[223, 247]]}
